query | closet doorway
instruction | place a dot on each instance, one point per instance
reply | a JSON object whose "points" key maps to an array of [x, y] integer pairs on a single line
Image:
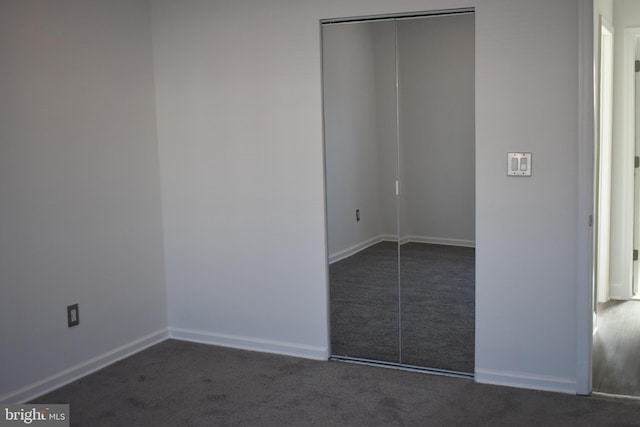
{"points": [[399, 118]]}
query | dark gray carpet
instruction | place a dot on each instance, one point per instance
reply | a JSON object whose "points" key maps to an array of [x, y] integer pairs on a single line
{"points": [[437, 310], [363, 299], [616, 348], [186, 384]]}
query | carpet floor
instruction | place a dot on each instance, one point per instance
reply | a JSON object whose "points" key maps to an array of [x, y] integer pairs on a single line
{"points": [[428, 320], [184, 384]]}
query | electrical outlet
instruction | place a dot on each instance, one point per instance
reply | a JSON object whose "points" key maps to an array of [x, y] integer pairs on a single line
{"points": [[73, 315]]}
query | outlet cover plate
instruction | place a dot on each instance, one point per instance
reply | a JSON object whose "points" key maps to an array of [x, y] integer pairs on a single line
{"points": [[73, 315], [518, 164]]}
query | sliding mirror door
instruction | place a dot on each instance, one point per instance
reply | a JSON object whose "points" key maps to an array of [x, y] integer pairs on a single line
{"points": [[399, 111], [361, 161], [437, 201]]}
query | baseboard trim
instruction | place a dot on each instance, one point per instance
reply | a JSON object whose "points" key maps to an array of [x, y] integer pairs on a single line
{"points": [[346, 253], [438, 241], [39, 388], [617, 291], [251, 344], [524, 380]]}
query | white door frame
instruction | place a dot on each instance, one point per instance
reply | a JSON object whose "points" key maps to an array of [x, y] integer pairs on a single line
{"points": [[584, 264], [603, 160]]}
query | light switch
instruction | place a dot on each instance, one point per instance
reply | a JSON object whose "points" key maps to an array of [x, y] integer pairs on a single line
{"points": [[519, 164]]}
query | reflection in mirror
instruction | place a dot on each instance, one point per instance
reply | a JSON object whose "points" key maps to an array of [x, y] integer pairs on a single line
{"points": [[401, 265], [437, 204], [361, 170]]}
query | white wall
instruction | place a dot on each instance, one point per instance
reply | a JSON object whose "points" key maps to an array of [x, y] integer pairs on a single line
{"points": [[240, 137], [384, 43], [437, 76], [351, 141], [526, 100], [80, 212]]}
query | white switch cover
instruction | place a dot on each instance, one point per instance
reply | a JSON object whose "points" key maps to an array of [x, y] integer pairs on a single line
{"points": [[519, 164]]}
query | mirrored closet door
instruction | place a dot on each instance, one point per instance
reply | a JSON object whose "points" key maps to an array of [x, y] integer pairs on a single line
{"points": [[400, 190], [361, 158]]}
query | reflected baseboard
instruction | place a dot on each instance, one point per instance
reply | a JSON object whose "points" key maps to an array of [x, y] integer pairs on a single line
{"points": [[346, 253], [352, 250], [438, 241]]}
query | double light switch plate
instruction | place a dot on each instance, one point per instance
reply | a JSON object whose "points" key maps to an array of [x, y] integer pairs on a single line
{"points": [[518, 164]]}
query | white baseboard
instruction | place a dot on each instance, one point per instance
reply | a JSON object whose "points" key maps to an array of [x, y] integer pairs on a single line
{"points": [[252, 344], [346, 253], [618, 291], [32, 391], [438, 241], [524, 380]]}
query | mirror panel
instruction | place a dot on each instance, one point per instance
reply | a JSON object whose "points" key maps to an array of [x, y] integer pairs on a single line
{"points": [[361, 170], [399, 107], [437, 201]]}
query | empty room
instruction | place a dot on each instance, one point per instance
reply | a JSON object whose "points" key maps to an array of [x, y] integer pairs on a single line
{"points": [[208, 193]]}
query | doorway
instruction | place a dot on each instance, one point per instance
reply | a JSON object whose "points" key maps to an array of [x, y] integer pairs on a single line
{"points": [[615, 341], [399, 116]]}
